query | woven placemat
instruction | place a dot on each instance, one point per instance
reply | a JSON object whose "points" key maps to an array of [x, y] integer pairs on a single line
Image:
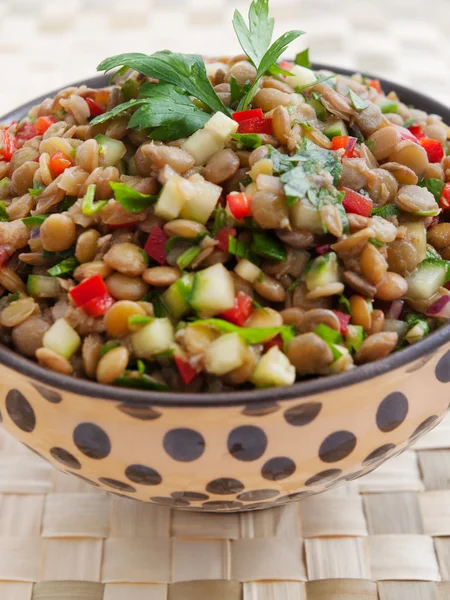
{"points": [[383, 537]]}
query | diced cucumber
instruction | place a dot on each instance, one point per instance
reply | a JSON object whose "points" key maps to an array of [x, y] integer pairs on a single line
{"points": [[417, 332], [273, 369], [154, 338], [225, 354], [342, 359], [335, 129], [426, 280], [247, 270], [171, 199], [417, 235], [111, 150], [300, 76], [396, 326], [202, 200], [354, 337], [305, 216], [40, 286], [212, 291], [175, 298], [317, 105], [222, 126], [62, 339], [322, 271], [202, 145]]}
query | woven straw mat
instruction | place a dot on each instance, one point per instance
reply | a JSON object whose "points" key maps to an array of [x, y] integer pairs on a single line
{"points": [[383, 537]]}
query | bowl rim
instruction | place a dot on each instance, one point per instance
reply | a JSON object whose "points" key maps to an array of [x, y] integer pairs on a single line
{"points": [[129, 396]]}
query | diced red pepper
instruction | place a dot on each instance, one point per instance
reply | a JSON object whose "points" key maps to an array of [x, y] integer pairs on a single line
{"points": [[88, 290], [242, 309], [245, 115], [416, 130], [445, 197], [43, 123], [433, 148], [356, 203], [98, 306], [256, 126], [59, 162], [8, 146], [239, 205], [275, 341], [94, 107], [156, 245], [26, 132], [187, 372], [347, 143], [406, 134], [344, 321], [376, 85], [122, 225], [286, 65], [223, 237], [324, 249]]}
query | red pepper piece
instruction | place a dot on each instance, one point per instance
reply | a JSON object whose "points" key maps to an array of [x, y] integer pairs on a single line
{"points": [[275, 341], [256, 126], [286, 65], [376, 85], [356, 203], [59, 162], [43, 123], [26, 132], [245, 115], [89, 289], [98, 306], [416, 130], [94, 107], [8, 146], [445, 197], [323, 249], [156, 245], [344, 321], [239, 205], [433, 148], [223, 237], [122, 225], [347, 143], [406, 134], [242, 309], [187, 372]]}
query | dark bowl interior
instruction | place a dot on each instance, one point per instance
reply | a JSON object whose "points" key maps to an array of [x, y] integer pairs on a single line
{"points": [[298, 390]]}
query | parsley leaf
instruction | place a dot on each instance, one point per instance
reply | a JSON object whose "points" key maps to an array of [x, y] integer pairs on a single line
{"points": [[300, 88], [88, 206], [131, 199], [357, 102], [248, 140], [386, 211], [255, 39], [220, 220], [281, 162], [302, 59], [36, 189], [117, 110], [66, 266], [316, 159], [435, 186], [4, 217]]}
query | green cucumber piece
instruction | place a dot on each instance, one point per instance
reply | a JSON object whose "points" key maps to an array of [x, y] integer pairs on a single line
{"points": [[40, 286], [427, 279], [111, 151], [175, 298], [335, 129], [212, 291]]}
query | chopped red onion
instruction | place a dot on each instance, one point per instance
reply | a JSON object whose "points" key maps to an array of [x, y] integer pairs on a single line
{"points": [[440, 308], [395, 310], [35, 233]]}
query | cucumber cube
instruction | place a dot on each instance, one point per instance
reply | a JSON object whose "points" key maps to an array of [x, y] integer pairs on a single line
{"points": [[171, 200], [62, 339], [213, 291], [273, 369], [225, 354], [154, 338]]}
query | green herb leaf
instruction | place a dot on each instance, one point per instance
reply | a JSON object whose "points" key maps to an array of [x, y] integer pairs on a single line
{"points": [[131, 199], [275, 70], [281, 162], [186, 71], [141, 382], [67, 203], [140, 320], [4, 217], [248, 334], [389, 107], [409, 123], [220, 220], [89, 207], [329, 335], [238, 247], [248, 140], [357, 102], [237, 93], [141, 366], [37, 189], [344, 304], [107, 347], [130, 89], [66, 266], [255, 39], [386, 211], [4, 182], [302, 59], [435, 186], [322, 79], [185, 259], [117, 110], [370, 144], [376, 242], [268, 247], [13, 297]]}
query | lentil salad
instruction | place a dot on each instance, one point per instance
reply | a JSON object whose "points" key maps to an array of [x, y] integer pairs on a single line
{"points": [[240, 223]]}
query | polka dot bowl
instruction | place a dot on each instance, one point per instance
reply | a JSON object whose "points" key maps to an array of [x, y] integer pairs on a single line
{"points": [[230, 452]]}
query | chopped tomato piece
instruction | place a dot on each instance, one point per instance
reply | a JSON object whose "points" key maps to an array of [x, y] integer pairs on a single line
{"points": [[223, 237], [245, 115], [356, 203], [242, 309], [445, 197], [8, 146], [433, 148], [187, 372], [26, 132], [275, 341], [98, 306], [286, 65], [156, 245], [88, 290], [256, 126], [43, 123], [323, 249], [239, 205], [344, 321], [416, 130], [376, 85], [347, 143], [59, 162], [94, 107]]}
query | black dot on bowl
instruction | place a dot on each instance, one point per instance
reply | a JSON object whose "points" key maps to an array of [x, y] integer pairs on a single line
{"points": [[224, 486], [184, 445], [260, 409], [424, 427], [221, 505], [117, 485], [255, 495], [378, 454], [278, 468], [20, 411], [136, 411], [247, 443], [92, 441], [303, 414], [143, 475], [90, 481], [49, 395], [323, 477], [65, 458], [392, 412], [337, 446], [177, 503], [190, 496], [442, 370]]}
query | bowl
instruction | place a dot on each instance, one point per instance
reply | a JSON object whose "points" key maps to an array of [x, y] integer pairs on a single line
{"points": [[236, 451]]}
